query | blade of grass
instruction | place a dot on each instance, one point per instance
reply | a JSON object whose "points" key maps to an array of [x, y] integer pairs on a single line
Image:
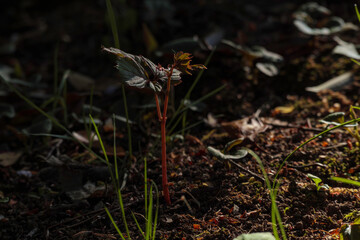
{"points": [[156, 211], [114, 224], [56, 75], [112, 178], [149, 217], [114, 29], [309, 140], [112, 20], [115, 158], [275, 216], [137, 224], [52, 119], [199, 75], [357, 12], [187, 95], [347, 181], [173, 126], [358, 63], [189, 127], [63, 89], [145, 188]]}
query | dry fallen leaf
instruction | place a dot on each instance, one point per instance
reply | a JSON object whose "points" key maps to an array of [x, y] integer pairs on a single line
{"points": [[248, 127], [9, 158], [284, 109]]}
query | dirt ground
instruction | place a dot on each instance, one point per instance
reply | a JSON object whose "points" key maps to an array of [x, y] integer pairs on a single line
{"points": [[53, 188]]}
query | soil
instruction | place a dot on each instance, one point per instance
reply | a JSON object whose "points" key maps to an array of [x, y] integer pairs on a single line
{"points": [[53, 188]]}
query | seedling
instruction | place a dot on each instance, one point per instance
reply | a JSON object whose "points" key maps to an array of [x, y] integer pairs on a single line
{"points": [[275, 214], [140, 72], [317, 182], [151, 219], [337, 118]]}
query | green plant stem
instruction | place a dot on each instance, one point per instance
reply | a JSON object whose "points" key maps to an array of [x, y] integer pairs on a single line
{"points": [[52, 119], [145, 188], [115, 184], [117, 45], [275, 214], [114, 224], [183, 109], [56, 76], [127, 121]]}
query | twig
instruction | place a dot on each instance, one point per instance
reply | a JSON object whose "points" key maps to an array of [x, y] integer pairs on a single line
{"points": [[246, 170], [294, 126]]}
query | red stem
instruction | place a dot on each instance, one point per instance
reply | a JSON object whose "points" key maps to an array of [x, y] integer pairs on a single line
{"points": [[165, 184], [158, 107]]}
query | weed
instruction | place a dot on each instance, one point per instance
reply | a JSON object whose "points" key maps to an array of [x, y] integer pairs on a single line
{"points": [[117, 45], [150, 220], [317, 182], [140, 72], [275, 214], [338, 118]]}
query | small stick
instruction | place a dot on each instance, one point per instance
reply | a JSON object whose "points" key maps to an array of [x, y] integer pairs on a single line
{"points": [[294, 126], [246, 170]]}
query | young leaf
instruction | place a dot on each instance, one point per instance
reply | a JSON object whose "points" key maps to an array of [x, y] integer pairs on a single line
{"points": [[217, 153], [182, 61], [140, 72], [317, 182], [336, 118], [333, 118], [316, 179]]}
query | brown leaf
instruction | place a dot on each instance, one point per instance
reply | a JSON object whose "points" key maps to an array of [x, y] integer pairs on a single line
{"points": [[9, 158], [248, 127]]}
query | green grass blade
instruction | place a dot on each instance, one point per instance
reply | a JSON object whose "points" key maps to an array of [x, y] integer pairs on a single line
{"points": [[52, 119], [193, 85], [358, 63], [112, 19], [273, 221], [149, 219], [51, 135], [173, 126], [156, 211], [309, 140], [137, 224], [115, 156], [114, 224], [127, 121], [189, 127], [115, 33], [199, 75], [100, 140], [56, 72], [275, 215], [357, 12], [112, 178], [145, 188], [347, 181], [123, 213]]}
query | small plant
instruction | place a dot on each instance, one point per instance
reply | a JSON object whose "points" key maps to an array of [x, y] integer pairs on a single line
{"points": [[352, 231], [337, 118], [317, 182], [275, 214], [150, 218], [140, 72]]}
